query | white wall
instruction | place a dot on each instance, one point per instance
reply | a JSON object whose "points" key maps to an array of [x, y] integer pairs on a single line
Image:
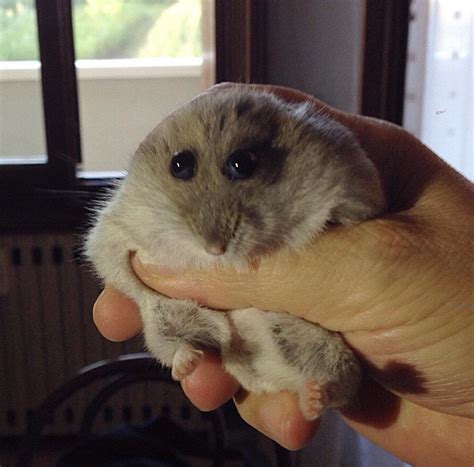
{"points": [[316, 46]]}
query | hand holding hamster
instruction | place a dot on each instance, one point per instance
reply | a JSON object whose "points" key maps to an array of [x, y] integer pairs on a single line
{"points": [[225, 180]]}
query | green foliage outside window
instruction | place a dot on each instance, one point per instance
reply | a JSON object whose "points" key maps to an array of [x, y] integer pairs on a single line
{"points": [[109, 29], [18, 32]]}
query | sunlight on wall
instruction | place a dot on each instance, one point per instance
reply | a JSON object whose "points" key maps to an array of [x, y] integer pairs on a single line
{"points": [[439, 90]]}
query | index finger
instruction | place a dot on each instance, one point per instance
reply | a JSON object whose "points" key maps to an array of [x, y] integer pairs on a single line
{"points": [[326, 284]]}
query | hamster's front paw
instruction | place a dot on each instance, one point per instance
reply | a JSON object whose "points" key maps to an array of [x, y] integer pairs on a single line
{"points": [[185, 360], [313, 399]]}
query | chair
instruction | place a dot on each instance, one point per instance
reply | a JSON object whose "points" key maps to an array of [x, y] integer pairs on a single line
{"points": [[122, 372]]}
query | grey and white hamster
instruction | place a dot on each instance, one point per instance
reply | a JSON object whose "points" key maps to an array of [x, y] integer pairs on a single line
{"points": [[227, 178]]}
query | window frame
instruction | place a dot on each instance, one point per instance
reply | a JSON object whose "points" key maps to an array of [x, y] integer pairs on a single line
{"points": [[60, 108], [240, 41], [126, 68], [385, 59]]}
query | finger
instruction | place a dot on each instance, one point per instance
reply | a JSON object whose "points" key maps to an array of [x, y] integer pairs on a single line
{"points": [[278, 416], [116, 316], [209, 386], [327, 284], [117, 319]]}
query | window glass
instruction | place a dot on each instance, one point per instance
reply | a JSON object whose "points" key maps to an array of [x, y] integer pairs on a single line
{"points": [[22, 138], [114, 29]]}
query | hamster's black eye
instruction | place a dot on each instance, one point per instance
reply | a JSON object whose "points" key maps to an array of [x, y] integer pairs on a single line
{"points": [[183, 164], [240, 164]]}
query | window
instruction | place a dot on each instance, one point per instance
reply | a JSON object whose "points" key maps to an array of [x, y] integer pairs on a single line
{"points": [[137, 61], [53, 192], [439, 95], [19, 55], [140, 55], [120, 29], [57, 170]]}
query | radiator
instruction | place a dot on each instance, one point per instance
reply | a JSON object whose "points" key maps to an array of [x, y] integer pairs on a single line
{"points": [[47, 335]]}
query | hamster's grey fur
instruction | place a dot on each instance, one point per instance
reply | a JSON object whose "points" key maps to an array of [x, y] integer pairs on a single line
{"points": [[310, 171]]}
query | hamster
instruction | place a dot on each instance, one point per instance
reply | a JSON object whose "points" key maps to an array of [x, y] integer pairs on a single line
{"points": [[224, 180]]}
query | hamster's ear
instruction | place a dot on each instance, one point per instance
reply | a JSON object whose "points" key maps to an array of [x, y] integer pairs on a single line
{"points": [[364, 205], [352, 213]]}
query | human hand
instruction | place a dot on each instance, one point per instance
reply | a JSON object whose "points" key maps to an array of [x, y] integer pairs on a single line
{"points": [[396, 288]]}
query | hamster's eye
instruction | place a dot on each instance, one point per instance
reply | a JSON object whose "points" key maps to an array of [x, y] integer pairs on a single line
{"points": [[183, 164], [240, 164]]}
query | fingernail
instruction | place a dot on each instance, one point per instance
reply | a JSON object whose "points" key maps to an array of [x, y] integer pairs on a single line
{"points": [[148, 268]]}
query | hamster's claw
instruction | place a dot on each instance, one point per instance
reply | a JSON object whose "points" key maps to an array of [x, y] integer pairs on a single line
{"points": [[313, 399], [185, 360]]}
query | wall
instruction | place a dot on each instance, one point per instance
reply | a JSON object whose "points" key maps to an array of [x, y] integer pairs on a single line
{"points": [[316, 46], [439, 98]]}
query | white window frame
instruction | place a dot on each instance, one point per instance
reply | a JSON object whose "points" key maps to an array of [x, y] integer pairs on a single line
{"points": [[127, 68]]}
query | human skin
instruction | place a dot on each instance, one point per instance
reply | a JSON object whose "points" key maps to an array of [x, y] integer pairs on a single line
{"points": [[399, 289]]}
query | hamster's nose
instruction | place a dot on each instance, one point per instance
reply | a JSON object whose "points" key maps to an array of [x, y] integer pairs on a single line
{"points": [[215, 248]]}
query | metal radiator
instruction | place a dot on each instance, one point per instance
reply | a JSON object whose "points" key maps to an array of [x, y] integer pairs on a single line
{"points": [[47, 335]]}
